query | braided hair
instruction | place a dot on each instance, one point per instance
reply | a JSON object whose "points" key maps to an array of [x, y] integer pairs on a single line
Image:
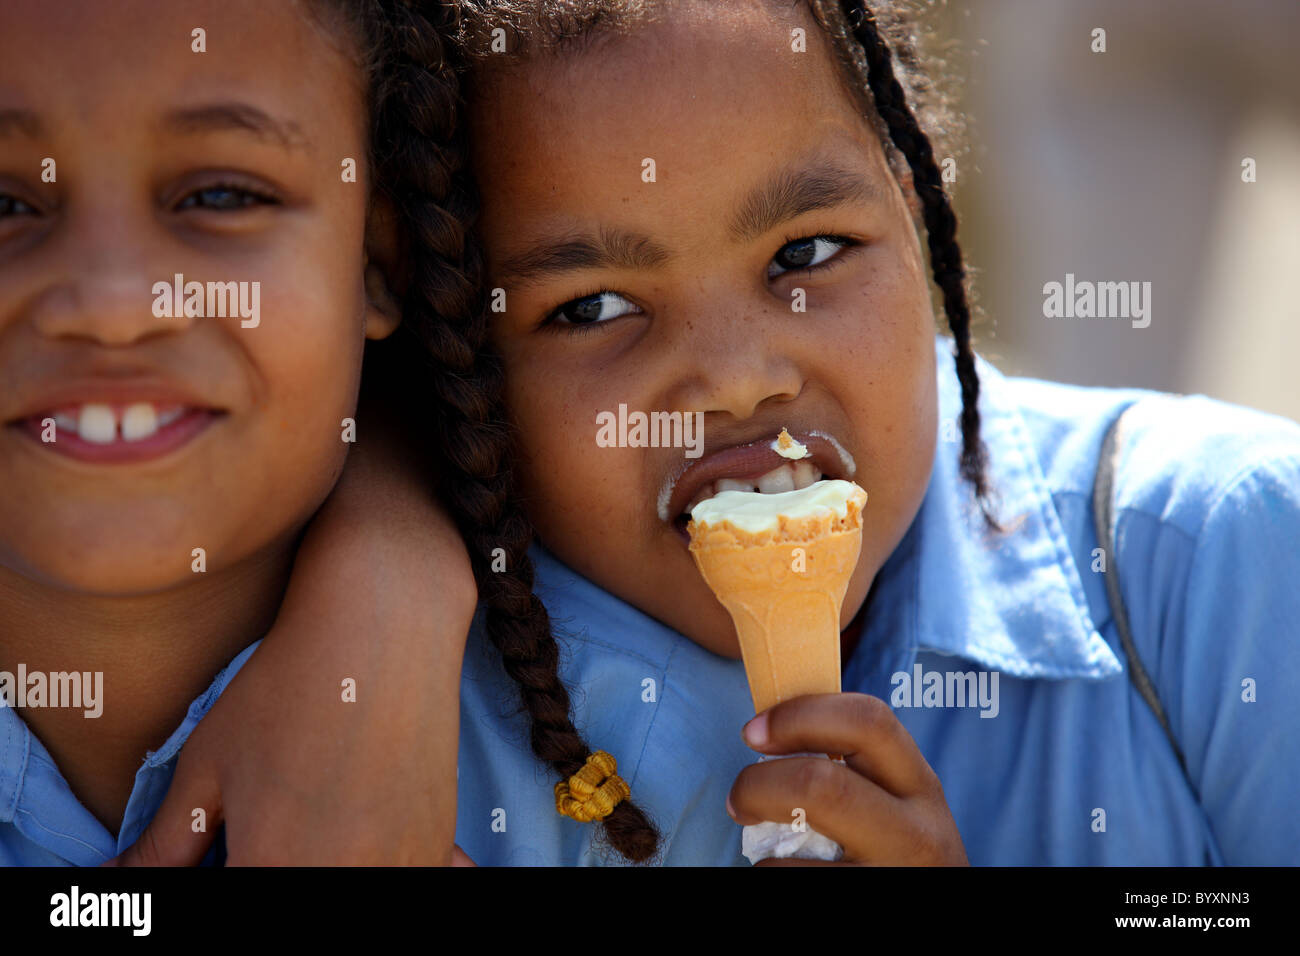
{"points": [[874, 68], [419, 155]]}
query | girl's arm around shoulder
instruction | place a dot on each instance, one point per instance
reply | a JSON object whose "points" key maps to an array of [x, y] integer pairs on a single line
{"points": [[336, 743]]}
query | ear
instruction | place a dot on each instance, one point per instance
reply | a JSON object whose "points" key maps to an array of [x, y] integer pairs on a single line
{"points": [[383, 268]]}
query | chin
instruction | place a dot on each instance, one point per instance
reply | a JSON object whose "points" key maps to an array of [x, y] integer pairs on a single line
{"points": [[727, 646], [105, 576], [136, 554], [713, 632]]}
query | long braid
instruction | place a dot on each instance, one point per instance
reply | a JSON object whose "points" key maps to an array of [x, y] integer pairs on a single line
{"points": [[422, 164], [941, 230]]}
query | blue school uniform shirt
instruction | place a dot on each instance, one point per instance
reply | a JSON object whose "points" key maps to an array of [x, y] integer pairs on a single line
{"points": [[42, 823], [1074, 768]]}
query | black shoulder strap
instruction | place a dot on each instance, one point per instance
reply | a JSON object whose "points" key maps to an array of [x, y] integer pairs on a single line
{"points": [[1104, 513]]}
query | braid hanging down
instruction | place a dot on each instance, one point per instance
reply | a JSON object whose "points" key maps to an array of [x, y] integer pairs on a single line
{"points": [[421, 164], [941, 230]]}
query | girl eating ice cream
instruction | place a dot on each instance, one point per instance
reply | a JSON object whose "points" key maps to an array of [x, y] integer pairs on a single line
{"points": [[727, 209]]}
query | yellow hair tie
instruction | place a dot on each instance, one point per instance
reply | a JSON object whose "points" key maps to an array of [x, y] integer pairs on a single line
{"points": [[592, 792]]}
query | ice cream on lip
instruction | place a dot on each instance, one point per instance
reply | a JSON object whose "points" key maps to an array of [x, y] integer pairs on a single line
{"points": [[754, 466], [787, 447]]}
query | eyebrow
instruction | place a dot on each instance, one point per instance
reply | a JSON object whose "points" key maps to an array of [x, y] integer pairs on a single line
{"points": [[608, 248], [790, 194], [224, 117], [796, 191], [21, 123]]}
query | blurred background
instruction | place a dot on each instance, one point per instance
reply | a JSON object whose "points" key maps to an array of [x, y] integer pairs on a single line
{"points": [[1127, 166]]}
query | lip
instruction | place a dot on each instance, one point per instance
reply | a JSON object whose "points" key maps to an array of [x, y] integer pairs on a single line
{"points": [[750, 460], [117, 392], [162, 442], [198, 415]]}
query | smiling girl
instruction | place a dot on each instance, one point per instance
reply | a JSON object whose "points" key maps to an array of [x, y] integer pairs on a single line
{"points": [[158, 466], [716, 208]]}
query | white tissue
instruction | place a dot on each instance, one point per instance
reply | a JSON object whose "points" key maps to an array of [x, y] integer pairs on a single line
{"points": [[768, 840], [794, 840]]}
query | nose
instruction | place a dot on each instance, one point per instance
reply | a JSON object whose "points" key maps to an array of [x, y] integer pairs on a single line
{"points": [[95, 280], [732, 357]]}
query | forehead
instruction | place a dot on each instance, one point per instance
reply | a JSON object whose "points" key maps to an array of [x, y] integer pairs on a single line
{"points": [[82, 62], [712, 42], [715, 94]]}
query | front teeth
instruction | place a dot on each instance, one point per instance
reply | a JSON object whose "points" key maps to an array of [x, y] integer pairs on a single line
{"points": [[788, 477], [777, 480], [97, 423], [139, 421], [730, 484], [805, 474]]}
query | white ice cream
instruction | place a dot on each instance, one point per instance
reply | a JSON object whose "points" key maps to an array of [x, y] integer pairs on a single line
{"points": [[787, 447], [756, 512]]}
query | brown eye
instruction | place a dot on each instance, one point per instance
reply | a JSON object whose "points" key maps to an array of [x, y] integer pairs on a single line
{"points": [[806, 253], [592, 309], [797, 254], [224, 198], [13, 206]]}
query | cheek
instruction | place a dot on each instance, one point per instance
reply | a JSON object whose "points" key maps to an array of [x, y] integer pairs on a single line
{"points": [[309, 366], [290, 447], [567, 480], [883, 352], [547, 439]]}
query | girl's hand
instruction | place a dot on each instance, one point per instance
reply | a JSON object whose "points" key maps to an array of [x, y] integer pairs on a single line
{"points": [[884, 805], [381, 593]]}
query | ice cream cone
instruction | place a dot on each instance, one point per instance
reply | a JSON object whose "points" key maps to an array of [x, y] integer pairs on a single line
{"points": [[784, 586]]}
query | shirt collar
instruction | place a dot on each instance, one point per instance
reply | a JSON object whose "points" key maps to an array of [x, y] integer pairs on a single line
{"points": [[35, 796], [1013, 602]]}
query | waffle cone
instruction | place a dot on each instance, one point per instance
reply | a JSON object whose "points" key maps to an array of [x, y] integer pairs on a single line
{"points": [[784, 590]]}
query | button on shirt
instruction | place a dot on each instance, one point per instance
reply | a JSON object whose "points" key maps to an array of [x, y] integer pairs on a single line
{"points": [[42, 823], [1066, 763]]}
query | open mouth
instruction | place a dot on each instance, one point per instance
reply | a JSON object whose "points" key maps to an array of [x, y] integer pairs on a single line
{"points": [[106, 432], [791, 476], [753, 467]]}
